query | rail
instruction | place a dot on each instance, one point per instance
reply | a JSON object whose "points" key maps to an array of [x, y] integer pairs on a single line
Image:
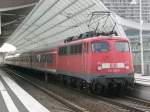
{"points": [[125, 102]]}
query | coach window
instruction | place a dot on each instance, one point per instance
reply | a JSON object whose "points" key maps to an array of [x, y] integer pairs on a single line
{"points": [[22, 59], [33, 58], [45, 58], [50, 58], [36, 58], [25, 59], [41, 58], [100, 47], [122, 46]]}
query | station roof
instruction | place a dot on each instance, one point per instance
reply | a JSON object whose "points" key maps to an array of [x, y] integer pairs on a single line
{"points": [[12, 14], [50, 22]]}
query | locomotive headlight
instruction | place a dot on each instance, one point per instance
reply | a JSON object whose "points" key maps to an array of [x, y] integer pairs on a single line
{"points": [[99, 67], [127, 67]]}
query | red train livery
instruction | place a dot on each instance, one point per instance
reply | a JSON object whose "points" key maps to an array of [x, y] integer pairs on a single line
{"points": [[99, 61]]}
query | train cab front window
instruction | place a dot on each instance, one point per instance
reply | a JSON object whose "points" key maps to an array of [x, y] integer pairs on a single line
{"points": [[122, 46], [100, 47]]}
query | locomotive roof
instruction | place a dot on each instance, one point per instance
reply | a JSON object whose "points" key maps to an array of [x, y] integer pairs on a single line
{"points": [[95, 38]]}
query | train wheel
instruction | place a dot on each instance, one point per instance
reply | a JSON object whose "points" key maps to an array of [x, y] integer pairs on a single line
{"points": [[99, 88], [84, 86]]}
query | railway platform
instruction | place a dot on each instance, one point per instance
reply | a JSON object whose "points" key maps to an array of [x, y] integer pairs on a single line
{"points": [[142, 80], [15, 99]]}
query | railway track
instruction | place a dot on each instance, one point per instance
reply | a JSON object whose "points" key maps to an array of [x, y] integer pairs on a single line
{"points": [[128, 103], [69, 104], [140, 101], [132, 104], [125, 102]]}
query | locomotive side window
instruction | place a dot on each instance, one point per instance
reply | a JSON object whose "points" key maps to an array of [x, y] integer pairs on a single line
{"points": [[63, 51], [76, 49], [100, 47], [122, 46]]}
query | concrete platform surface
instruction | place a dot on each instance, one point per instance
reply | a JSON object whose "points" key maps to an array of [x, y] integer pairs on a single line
{"points": [[15, 99], [142, 80]]}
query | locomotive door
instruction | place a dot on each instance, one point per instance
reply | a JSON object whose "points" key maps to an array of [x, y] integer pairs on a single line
{"points": [[84, 57]]}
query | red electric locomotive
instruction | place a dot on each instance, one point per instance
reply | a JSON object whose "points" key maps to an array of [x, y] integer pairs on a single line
{"points": [[91, 60], [100, 61]]}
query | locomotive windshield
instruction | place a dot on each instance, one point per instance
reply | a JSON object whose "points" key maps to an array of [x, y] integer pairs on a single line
{"points": [[100, 47], [122, 46]]}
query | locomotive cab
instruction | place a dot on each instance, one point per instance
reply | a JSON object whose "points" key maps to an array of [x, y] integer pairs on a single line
{"points": [[111, 61]]}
